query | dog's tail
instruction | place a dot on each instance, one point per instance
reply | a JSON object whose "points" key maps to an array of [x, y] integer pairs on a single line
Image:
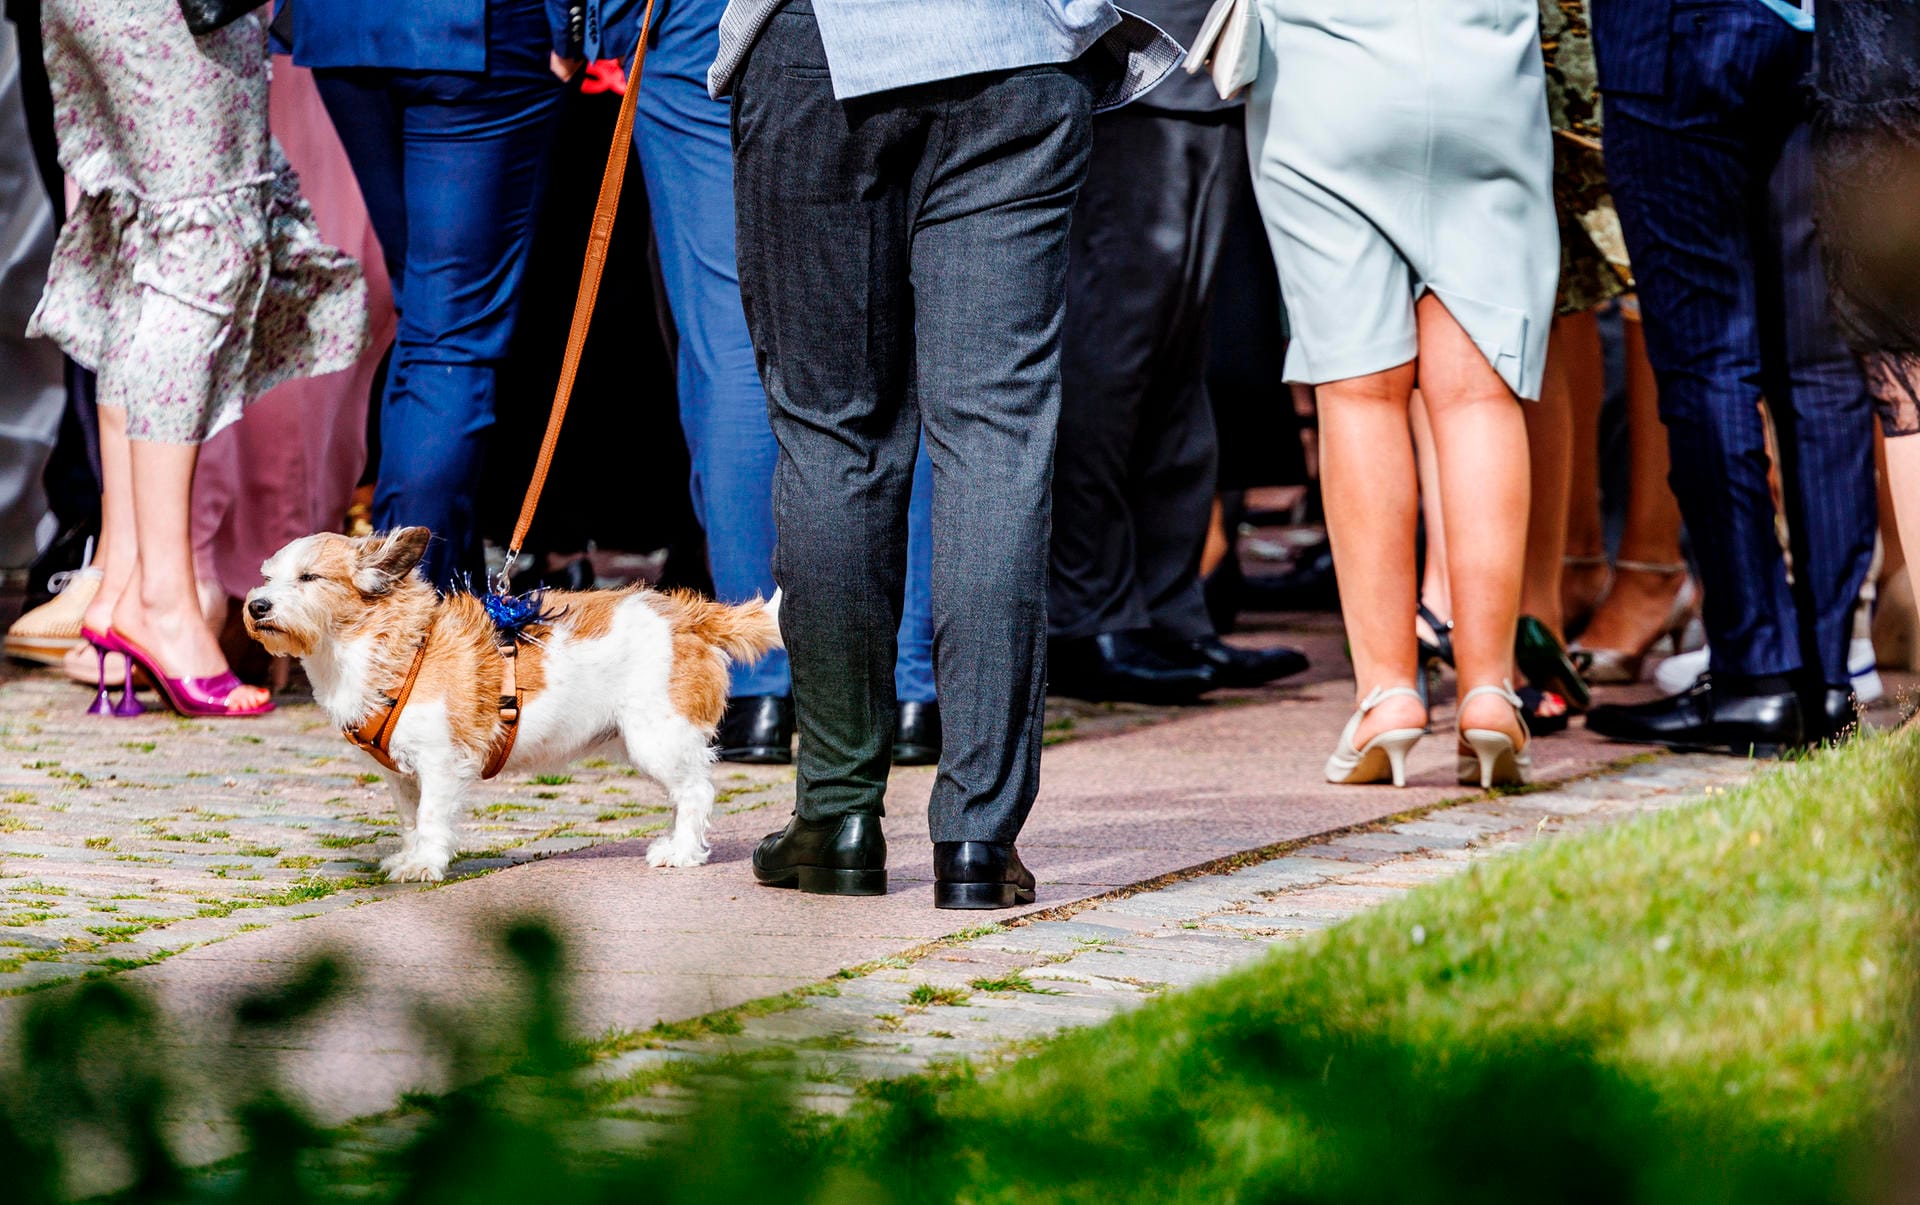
{"points": [[745, 633]]}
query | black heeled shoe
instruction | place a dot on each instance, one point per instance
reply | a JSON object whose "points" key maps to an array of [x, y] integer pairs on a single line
{"points": [[1544, 662], [1433, 654]]}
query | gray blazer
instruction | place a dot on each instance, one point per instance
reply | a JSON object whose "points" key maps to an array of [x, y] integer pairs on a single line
{"points": [[875, 45]]}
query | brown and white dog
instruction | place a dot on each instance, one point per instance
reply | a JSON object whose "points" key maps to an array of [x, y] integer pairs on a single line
{"points": [[642, 671]]}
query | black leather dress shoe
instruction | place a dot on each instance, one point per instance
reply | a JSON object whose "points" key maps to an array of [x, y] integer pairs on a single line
{"points": [[1708, 720], [1310, 585], [844, 855], [1114, 666], [757, 729], [1233, 666], [979, 874], [1832, 715], [916, 734]]}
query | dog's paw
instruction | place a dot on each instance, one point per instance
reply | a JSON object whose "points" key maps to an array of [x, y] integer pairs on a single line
{"points": [[667, 852], [411, 866]]}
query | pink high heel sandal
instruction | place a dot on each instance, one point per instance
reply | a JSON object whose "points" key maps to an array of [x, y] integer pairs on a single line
{"points": [[104, 643], [203, 698]]}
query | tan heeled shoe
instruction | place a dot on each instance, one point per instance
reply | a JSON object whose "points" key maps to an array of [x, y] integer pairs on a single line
{"points": [[1616, 667], [1489, 756], [1382, 758]]}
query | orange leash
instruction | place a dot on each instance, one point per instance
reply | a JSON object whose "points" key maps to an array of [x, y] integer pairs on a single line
{"points": [[596, 262]]}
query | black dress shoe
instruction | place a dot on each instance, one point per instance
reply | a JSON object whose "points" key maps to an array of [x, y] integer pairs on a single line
{"points": [[844, 855], [757, 729], [1310, 585], [1232, 666], [1831, 713], [1708, 720], [916, 734], [979, 874], [576, 574], [1114, 666]]}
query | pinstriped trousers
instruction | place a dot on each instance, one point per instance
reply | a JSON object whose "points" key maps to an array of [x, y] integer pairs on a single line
{"points": [[1713, 184]]}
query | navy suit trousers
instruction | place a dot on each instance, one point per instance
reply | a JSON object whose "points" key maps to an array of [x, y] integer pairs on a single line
{"points": [[452, 166], [1713, 184]]}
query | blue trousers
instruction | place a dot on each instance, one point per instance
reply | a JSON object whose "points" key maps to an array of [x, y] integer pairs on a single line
{"points": [[1713, 183], [686, 157], [452, 167]]}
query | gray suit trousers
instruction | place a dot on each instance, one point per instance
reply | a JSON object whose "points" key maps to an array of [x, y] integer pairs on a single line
{"points": [[903, 264]]}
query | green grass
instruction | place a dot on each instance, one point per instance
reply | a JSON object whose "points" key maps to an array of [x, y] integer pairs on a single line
{"points": [[1688, 1007], [203, 837], [116, 933], [1015, 981], [926, 995]]}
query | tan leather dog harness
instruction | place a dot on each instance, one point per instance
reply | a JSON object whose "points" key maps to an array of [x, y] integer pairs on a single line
{"points": [[375, 733]]}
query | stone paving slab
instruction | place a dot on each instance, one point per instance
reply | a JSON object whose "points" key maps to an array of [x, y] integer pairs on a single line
{"points": [[1131, 799], [1012, 984]]}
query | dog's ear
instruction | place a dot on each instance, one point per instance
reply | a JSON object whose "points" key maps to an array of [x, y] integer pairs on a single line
{"points": [[386, 559]]}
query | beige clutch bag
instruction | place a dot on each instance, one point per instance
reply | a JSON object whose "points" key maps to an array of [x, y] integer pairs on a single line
{"points": [[1227, 47]]}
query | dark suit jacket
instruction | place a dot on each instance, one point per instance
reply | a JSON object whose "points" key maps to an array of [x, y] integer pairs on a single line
{"points": [[1630, 40]]}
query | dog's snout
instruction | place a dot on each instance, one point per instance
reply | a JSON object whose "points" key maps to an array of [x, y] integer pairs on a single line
{"points": [[259, 608]]}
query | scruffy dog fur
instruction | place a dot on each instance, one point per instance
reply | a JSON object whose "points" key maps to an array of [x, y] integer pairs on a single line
{"points": [[636, 669]]}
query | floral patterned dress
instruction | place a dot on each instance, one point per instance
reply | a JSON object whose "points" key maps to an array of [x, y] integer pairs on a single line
{"points": [[190, 276], [1593, 257]]}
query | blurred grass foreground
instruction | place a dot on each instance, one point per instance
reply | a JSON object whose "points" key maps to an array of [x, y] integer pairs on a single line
{"points": [[1712, 1004]]}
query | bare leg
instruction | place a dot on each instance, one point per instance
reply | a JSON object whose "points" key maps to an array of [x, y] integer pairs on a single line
{"points": [[1434, 590], [1307, 406], [116, 555], [1893, 559], [1631, 617], [1367, 478], [1550, 464], [1895, 631], [1480, 437], [161, 612], [1216, 547], [1903, 481], [1581, 366]]}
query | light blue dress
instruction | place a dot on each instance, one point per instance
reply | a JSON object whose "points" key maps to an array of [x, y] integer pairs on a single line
{"points": [[1401, 147]]}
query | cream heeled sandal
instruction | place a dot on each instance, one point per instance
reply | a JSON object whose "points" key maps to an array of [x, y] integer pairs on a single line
{"points": [[1489, 756], [1383, 757]]}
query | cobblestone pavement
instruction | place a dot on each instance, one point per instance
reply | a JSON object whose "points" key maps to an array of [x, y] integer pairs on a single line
{"points": [[986, 995], [125, 841]]}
